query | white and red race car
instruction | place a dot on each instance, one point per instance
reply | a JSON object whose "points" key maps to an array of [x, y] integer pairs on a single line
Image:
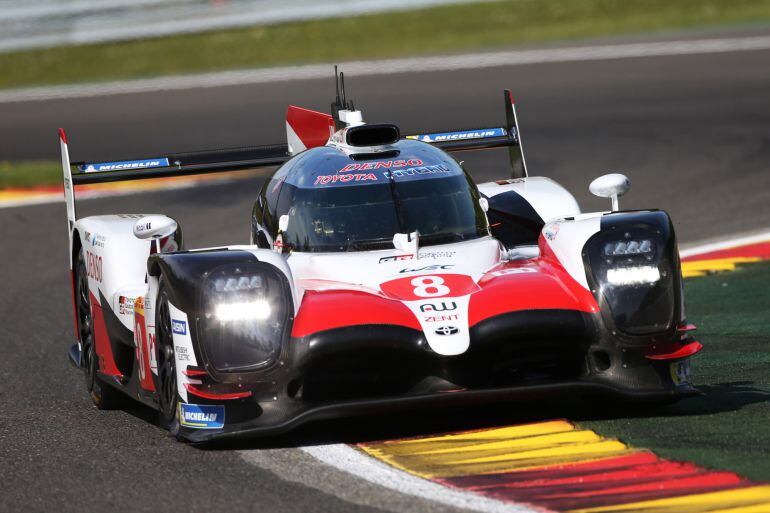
{"points": [[379, 276]]}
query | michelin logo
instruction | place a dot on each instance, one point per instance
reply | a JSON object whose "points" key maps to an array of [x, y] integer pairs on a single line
{"points": [[460, 136], [127, 164], [202, 416]]}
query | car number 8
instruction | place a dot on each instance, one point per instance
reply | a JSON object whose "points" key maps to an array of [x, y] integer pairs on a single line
{"points": [[429, 286]]}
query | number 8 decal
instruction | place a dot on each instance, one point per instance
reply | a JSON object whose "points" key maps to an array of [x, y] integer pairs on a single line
{"points": [[429, 286], [416, 288]]}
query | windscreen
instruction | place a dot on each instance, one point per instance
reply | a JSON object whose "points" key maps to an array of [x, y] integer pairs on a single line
{"points": [[365, 217]]}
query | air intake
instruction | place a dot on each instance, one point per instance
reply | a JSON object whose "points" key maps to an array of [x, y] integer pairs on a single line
{"points": [[372, 135]]}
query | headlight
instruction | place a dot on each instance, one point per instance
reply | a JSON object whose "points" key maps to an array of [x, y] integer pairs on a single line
{"points": [[629, 247], [244, 311], [630, 276], [633, 268]]}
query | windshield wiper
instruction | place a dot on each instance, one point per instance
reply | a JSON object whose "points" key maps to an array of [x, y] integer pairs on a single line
{"points": [[364, 244], [442, 238]]}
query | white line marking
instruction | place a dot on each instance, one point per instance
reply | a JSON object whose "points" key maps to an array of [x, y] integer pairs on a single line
{"points": [[58, 197], [743, 240], [391, 66], [347, 459]]}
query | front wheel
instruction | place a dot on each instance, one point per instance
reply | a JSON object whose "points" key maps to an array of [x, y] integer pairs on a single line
{"points": [[103, 396], [168, 397]]}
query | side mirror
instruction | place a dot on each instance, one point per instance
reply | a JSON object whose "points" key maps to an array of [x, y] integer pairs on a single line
{"points": [[610, 186], [154, 227]]}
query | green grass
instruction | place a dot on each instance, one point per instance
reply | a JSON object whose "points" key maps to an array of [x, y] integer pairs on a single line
{"points": [[29, 173], [437, 30], [729, 426]]}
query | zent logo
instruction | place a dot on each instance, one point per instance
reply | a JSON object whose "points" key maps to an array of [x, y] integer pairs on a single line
{"points": [[179, 327], [94, 266]]}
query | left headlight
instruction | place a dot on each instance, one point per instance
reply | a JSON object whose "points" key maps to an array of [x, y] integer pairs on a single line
{"points": [[632, 265], [245, 309]]}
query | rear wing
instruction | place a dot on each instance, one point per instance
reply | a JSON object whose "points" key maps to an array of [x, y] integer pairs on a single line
{"points": [[305, 129], [485, 138]]}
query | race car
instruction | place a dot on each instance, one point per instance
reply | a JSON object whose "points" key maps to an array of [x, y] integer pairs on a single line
{"points": [[378, 277]]}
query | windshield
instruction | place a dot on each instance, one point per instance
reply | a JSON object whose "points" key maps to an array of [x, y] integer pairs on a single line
{"points": [[365, 217]]}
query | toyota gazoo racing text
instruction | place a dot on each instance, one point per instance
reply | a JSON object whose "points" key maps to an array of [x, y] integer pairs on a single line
{"points": [[378, 277]]}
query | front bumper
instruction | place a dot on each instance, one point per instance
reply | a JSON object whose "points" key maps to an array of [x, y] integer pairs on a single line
{"points": [[370, 370], [280, 417]]}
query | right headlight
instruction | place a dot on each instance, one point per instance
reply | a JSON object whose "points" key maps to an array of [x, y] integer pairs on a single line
{"points": [[244, 311], [633, 268]]}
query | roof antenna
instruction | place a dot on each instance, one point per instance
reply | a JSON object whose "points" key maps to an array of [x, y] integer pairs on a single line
{"points": [[338, 105], [336, 86], [341, 104]]}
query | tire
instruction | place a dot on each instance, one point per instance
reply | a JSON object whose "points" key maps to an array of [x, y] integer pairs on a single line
{"points": [[168, 396], [103, 395]]}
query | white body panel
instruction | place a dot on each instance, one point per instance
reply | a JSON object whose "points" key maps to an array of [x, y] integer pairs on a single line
{"points": [[567, 238], [183, 348], [549, 199], [116, 261], [368, 271]]}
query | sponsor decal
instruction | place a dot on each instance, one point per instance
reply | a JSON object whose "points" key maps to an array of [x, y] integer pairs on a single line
{"points": [[144, 227], [514, 270], [428, 286], [179, 327], [126, 164], [434, 255], [126, 305], [680, 372], [446, 330], [460, 135], [422, 170], [443, 306], [181, 354], [94, 266], [357, 177], [441, 318], [396, 258], [95, 239], [432, 267], [202, 416], [383, 164]]}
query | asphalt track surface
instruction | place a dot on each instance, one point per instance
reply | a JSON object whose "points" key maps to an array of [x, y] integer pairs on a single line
{"points": [[692, 132]]}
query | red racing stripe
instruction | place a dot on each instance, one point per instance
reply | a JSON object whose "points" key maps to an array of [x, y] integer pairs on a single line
{"points": [[102, 340], [570, 469], [760, 250], [325, 310]]}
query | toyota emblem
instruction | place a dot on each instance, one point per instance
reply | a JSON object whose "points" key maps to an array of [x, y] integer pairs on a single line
{"points": [[446, 330]]}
